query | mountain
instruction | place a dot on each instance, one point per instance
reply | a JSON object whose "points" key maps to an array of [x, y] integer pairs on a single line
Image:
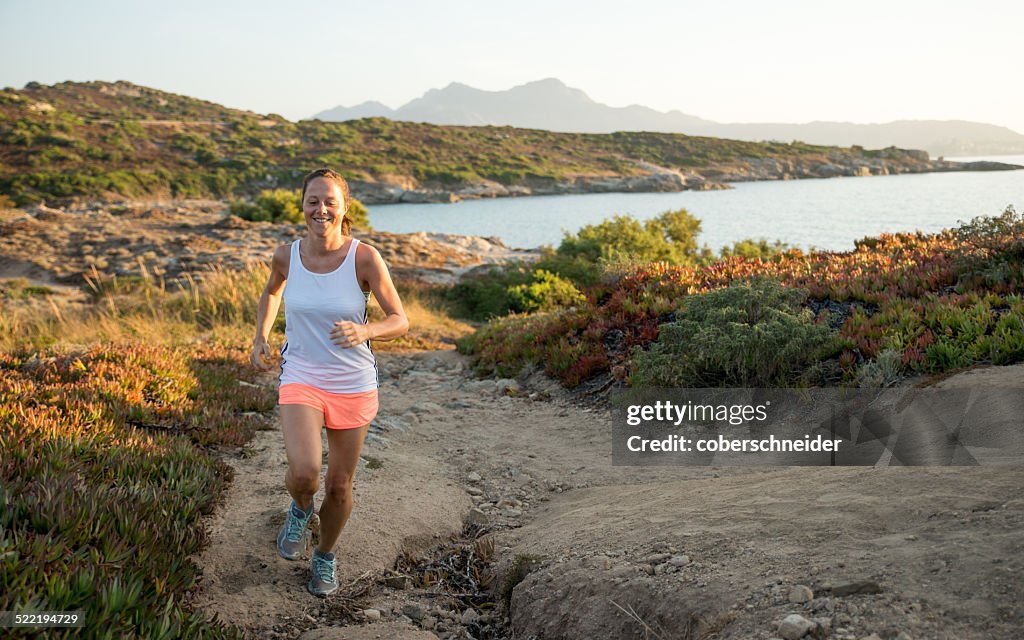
{"points": [[545, 104], [551, 105], [368, 109], [938, 137]]}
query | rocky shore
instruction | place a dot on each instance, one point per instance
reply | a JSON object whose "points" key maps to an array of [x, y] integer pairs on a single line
{"points": [[658, 179], [60, 246]]}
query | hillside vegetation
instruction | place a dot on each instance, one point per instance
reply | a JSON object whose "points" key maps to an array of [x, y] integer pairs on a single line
{"points": [[99, 139], [896, 305]]}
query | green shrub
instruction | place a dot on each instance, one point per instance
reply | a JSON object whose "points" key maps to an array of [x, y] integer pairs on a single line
{"points": [[285, 205], [883, 371], [1006, 344], [750, 248], [272, 205], [547, 292], [484, 293], [670, 237], [580, 269], [359, 216], [751, 335]]}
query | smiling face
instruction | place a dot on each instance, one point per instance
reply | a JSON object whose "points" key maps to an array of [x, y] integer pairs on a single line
{"points": [[324, 207]]}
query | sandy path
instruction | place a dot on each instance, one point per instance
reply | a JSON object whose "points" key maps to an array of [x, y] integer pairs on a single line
{"points": [[697, 548]]}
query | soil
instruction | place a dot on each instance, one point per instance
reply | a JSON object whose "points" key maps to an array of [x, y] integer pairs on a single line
{"points": [[619, 552]]}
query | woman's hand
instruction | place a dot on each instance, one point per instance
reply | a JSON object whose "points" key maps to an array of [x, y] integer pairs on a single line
{"points": [[349, 334], [261, 357]]}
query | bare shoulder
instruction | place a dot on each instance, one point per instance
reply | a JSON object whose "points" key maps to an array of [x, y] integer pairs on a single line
{"points": [[282, 257], [368, 257]]}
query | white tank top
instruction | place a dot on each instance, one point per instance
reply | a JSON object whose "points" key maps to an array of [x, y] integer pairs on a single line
{"points": [[313, 302]]}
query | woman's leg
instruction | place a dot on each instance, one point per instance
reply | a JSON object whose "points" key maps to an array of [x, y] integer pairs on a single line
{"points": [[301, 425], [344, 447]]}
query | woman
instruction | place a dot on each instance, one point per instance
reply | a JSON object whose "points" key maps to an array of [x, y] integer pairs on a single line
{"points": [[328, 372]]}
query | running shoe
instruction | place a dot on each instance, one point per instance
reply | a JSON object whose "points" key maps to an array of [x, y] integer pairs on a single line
{"points": [[323, 581], [294, 536]]}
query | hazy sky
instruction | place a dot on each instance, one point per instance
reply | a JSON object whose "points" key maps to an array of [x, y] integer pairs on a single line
{"points": [[730, 61]]}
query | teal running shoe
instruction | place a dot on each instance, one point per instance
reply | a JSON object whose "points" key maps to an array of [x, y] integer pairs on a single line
{"points": [[323, 582], [294, 536]]}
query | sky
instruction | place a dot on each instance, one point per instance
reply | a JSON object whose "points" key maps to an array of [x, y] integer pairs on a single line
{"points": [[729, 61]]}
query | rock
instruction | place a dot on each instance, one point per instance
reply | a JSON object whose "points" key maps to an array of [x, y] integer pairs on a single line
{"points": [[414, 611], [822, 626], [428, 407], [507, 386], [800, 594], [473, 491], [477, 517], [601, 562], [657, 558], [422, 196], [473, 476], [485, 189], [376, 192], [680, 560], [371, 614], [794, 626], [428, 622], [842, 589], [398, 582], [469, 616]]}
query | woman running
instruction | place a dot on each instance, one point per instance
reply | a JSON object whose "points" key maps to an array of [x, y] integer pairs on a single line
{"points": [[328, 372]]}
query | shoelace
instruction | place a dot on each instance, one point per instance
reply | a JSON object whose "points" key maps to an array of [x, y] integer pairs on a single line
{"points": [[324, 568], [296, 526]]}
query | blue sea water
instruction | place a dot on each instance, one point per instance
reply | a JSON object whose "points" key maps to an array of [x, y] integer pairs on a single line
{"points": [[827, 213]]}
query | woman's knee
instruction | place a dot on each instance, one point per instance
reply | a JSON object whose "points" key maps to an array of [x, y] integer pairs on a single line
{"points": [[338, 489], [304, 479]]}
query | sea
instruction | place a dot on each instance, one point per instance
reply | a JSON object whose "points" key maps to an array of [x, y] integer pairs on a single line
{"points": [[829, 213]]}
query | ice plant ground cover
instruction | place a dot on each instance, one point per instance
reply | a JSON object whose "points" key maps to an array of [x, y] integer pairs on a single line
{"points": [[107, 468], [939, 301]]}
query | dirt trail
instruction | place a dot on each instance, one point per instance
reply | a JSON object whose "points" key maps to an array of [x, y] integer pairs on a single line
{"points": [[685, 551]]}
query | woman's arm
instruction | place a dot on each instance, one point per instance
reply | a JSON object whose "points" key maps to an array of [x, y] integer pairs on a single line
{"points": [[375, 274], [267, 308]]}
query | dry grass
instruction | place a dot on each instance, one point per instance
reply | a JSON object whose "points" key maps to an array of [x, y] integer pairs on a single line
{"points": [[430, 326], [221, 305]]}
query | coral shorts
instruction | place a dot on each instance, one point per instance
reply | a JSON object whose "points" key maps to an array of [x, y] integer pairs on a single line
{"points": [[341, 410]]}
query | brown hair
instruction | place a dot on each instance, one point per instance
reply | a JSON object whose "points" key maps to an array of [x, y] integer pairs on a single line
{"points": [[330, 174]]}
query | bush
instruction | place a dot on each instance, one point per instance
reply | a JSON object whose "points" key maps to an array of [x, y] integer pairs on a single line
{"points": [[285, 205], [670, 237], [359, 216], [484, 293], [750, 248], [272, 205], [746, 335], [546, 293]]}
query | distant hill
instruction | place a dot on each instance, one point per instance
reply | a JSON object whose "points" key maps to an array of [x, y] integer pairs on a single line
{"points": [[545, 104], [120, 140], [551, 105]]}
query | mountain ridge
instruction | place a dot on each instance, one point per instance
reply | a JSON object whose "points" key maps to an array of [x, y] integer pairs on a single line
{"points": [[552, 105]]}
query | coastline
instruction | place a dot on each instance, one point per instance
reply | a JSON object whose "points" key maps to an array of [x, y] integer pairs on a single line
{"points": [[659, 179]]}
